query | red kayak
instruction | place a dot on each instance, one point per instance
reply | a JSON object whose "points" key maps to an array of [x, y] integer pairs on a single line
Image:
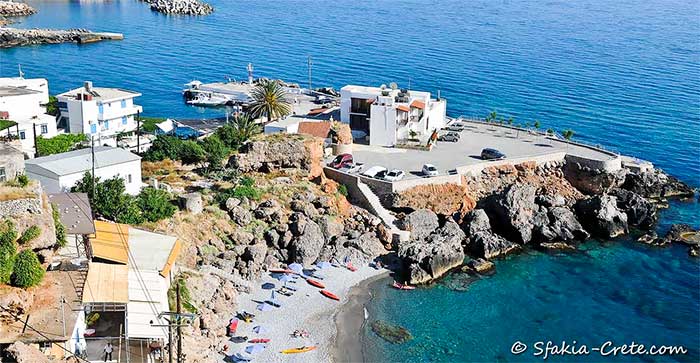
{"points": [[280, 271], [259, 340], [232, 326], [399, 286], [330, 295], [350, 267], [315, 283]]}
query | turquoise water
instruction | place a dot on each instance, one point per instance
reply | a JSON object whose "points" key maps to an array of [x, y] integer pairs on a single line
{"points": [[625, 74]]}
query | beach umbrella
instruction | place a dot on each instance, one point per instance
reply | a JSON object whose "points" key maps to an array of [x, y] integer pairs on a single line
{"points": [[259, 330], [268, 286], [264, 307], [324, 264], [284, 278], [273, 295], [255, 348], [296, 267]]}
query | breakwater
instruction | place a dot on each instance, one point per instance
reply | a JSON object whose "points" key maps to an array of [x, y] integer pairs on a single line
{"points": [[12, 8], [12, 37], [180, 7]]}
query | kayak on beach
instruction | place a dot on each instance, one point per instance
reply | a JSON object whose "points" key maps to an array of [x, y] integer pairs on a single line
{"points": [[330, 295], [280, 271], [259, 340], [298, 350], [233, 326], [400, 286], [315, 283]]}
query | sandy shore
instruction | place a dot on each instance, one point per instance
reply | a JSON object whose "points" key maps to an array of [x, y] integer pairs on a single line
{"points": [[306, 309]]}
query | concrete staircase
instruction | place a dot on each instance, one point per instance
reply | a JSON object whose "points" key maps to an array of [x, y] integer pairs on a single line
{"points": [[376, 207]]}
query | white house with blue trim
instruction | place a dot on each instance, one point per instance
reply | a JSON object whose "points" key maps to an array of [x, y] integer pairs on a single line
{"points": [[100, 112]]}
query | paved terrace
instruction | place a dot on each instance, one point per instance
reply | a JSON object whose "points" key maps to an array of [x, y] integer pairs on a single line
{"points": [[464, 155]]}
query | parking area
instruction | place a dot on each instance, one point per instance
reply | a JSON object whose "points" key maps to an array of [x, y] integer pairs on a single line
{"points": [[518, 146]]}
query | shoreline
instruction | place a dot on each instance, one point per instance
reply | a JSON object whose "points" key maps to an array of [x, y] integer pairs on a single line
{"points": [[347, 342]]}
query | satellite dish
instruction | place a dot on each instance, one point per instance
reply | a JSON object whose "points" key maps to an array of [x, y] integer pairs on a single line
{"points": [[382, 87], [393, 85]]}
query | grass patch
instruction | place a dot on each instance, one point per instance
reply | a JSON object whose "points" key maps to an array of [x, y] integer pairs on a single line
{"points": [[148, 124]]}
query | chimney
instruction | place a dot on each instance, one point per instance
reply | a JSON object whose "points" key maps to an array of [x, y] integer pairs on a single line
{"points": [[88, 86]]}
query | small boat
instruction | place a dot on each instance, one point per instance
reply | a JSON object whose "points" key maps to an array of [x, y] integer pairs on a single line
{"points": [[233, 326], [259, 340], [316, 283], [298, 350], [399, 286], [280, 271], [242, 358], [330, 295], [208, 100], [350, 267]]}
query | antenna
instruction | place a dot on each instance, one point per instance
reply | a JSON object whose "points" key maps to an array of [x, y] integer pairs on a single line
{"points": [[393, 85], [310, 64], [250, 73]]}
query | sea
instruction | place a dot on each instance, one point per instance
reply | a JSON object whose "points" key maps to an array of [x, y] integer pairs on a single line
{"points": [[623, 74]]}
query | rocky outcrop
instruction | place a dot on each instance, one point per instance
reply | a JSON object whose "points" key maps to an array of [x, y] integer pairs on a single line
{"points": [[180, 7], [427, 257], [600, 216], [640, 212], [275, 153], [13, 8], [684, 234], [593, 181], [12, 37], [23, 353], [513, 212], [481, 241], [560, 224], [420, 223], [454, 199], [655, 184], [308, 241]]}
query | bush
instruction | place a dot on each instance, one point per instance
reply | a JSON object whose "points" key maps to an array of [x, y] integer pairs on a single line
{"points": [[155, 204], [342, 189], [109, 200], [246, 181], [29, 234], [23, 180], [61, 240], [8, 250], [27, 271], [215, 151], [247, 191], [191, 152], [164, 147], [59, 143]]}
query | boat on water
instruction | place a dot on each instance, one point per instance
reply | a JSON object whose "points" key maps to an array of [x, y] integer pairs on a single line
{"points": [[206, 99], [316, 283], [400, 286], [259, 341], [298, 350], [330, 295]]}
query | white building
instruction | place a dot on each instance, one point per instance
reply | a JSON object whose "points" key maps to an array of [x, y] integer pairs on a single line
{"points": [[60, 172], [24, 102], [387, 116], [98, 111]]}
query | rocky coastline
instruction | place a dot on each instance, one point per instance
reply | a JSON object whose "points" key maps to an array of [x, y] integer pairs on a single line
{"points": [[13, 37], [180, 7], [12, 9]]}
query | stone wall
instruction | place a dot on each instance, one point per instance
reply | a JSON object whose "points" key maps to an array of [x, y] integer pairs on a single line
{"points": [[30, 200], [12, 159]]}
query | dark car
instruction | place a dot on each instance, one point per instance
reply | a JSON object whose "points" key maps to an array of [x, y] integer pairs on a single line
{"points": [[340, 161], [492, 154], [450, 136]]}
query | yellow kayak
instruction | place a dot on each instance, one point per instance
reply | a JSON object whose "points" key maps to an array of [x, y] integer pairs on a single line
{"points": [[298, 350]]}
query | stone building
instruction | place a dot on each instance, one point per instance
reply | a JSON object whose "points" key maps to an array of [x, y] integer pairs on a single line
{"points": [[11, 160]]}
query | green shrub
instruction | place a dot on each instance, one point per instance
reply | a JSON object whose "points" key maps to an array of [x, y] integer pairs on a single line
{"points": [[155, 204], [164, 147], [109, 199], [23, 180], [342, 189], [191, 152], [215, 150], [185, 296], [8, 250], [248, 192], [246, 181], [59, 143], [61, 239], [27, 271], [29, 234]]}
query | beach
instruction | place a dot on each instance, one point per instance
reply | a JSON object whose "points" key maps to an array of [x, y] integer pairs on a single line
{"points": [[308, 309]]}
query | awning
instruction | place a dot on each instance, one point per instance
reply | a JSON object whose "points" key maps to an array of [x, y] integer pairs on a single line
{"points": [[418, 104], [403, 108], [111, 242], [106, 283], [174, 254], [148, 297], [152, 251]]}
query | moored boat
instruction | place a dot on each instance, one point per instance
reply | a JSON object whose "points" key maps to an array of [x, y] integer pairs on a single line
{"points": [[298, 350], [330, 295], [233, 326], [316, 283]]}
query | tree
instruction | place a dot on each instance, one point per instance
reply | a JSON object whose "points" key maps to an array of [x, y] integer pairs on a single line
{"points": [[8, 250], [492, 117], [568, 134], [269, 101], [110, 200], [164, 147], [27, 271], [191, 152], [511, 120], [537, 124], [59, 143], [241, 129], [215, 150], [52, 106], [155, 204]]}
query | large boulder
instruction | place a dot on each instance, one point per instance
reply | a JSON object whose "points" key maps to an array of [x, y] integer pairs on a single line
{"points": [[306, 247], [512, 212], [561, 225], [600, 216], [656, 184], [427, 259], [640, 212], [489, 245], [476, 221], [420, 223], [592, 181], [294, 152], [23, 353], [192, 202]]}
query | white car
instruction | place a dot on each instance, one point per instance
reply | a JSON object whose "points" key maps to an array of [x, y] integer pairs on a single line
{"points": [[352, 167], [373, 171], [429, 170], [394, 175]]}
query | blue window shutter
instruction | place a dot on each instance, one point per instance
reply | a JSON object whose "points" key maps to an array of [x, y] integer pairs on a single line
{"points": [[123, 103], [107, 125], [101, 108], [124, 120], [93, 128]]}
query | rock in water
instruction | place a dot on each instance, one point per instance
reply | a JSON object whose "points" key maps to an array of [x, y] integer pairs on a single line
{"points": [[600, 216], [656, 184], [181, 7], [391, 333], [512, 212], [488, 245], [640, 212], [560, 225], [421, 223], [427, 259]]}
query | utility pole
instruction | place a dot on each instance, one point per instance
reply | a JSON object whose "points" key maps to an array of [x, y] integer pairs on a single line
{"points": [[170, 343], [180, 358], [92, 152], [36, 150], [177, 320], [310, 64], [138, 132]]}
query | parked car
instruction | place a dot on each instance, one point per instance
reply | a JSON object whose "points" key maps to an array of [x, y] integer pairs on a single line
{"points": [[394, 175], [456, 127], [352, 167], [450, 136], [429, 170], [492, 154], [340, 161], [373, 171]]}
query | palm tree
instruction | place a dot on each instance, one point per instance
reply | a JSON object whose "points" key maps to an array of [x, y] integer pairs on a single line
{"points": [[244, 128], [269, 101]]}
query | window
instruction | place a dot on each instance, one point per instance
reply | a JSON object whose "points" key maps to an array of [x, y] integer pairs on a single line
{"points": [[22, 135], [44, 129], [123, 103], [93, 128], [124, 120], [45, 347], [128, 179], [101, 108], [106, 124], [3, 175]]}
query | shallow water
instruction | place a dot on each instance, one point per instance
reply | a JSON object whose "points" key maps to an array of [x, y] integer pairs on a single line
{"points": [[625, 74]]}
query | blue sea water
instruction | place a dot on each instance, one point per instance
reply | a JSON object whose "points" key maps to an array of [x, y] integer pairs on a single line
{"points": [[625, 74]]}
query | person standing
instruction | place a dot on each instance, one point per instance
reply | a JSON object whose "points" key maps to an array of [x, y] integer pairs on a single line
{"points": [[108, 351]]}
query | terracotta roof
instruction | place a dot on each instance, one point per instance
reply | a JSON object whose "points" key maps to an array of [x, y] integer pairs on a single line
{"points": [[418, 104], [317, 129], [403, 108]]}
